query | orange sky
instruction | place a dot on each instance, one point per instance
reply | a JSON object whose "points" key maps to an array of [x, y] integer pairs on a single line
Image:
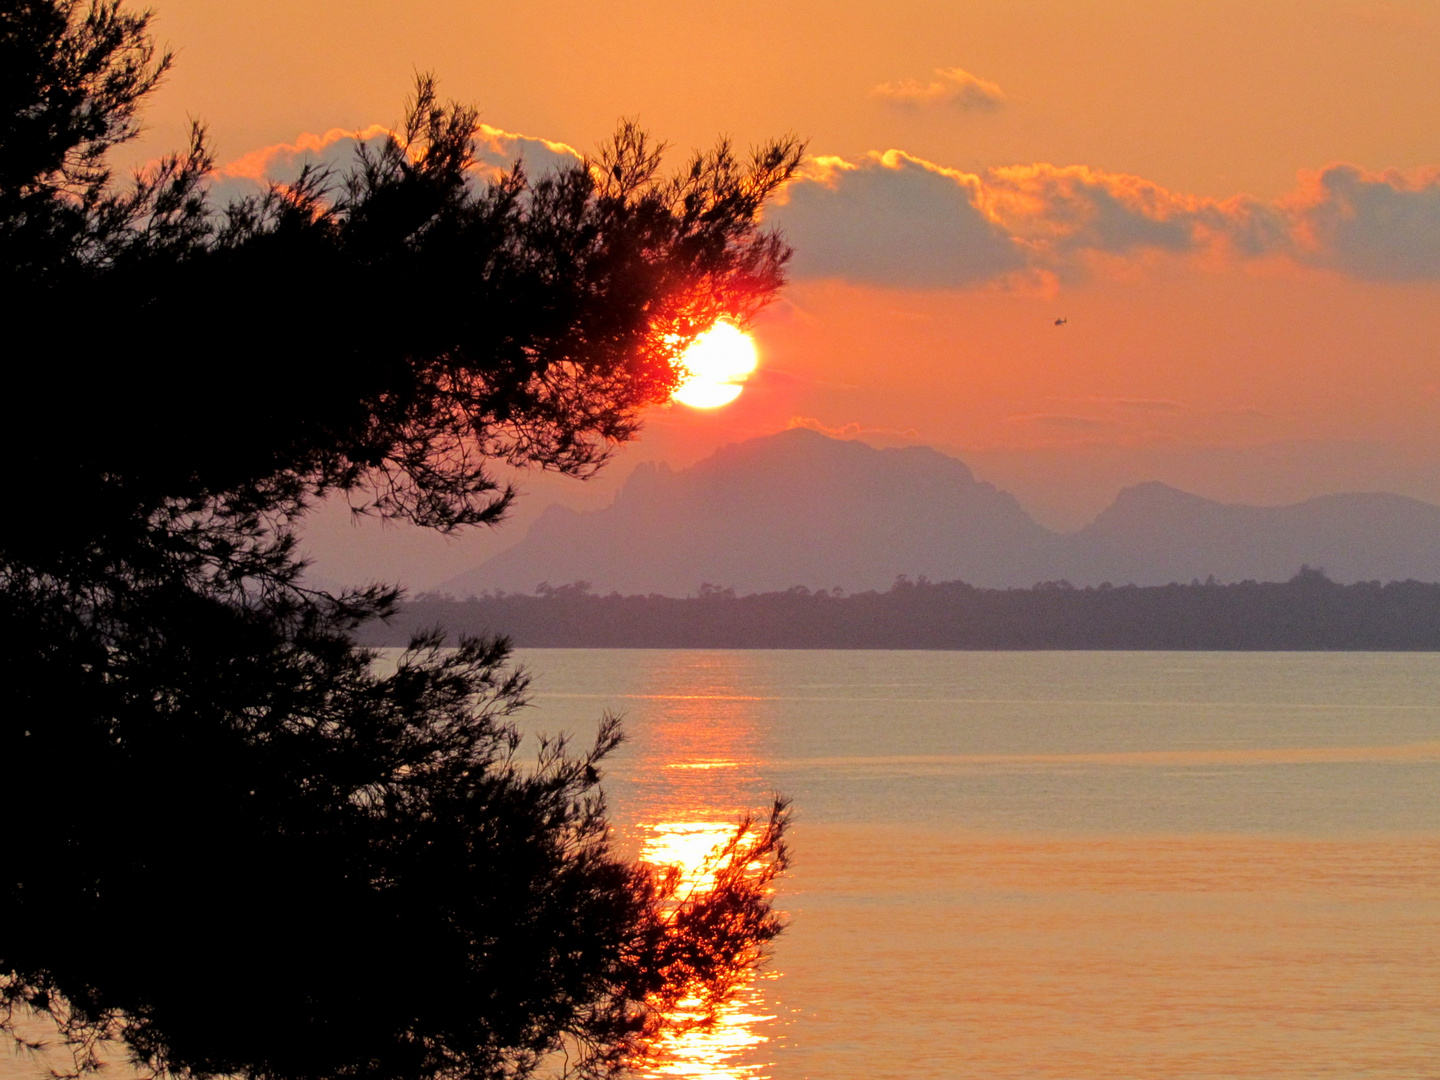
{"points": [[1235, 327]]}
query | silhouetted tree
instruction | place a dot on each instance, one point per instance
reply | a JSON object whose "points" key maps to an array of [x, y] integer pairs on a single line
{"points": [[234, 844]]}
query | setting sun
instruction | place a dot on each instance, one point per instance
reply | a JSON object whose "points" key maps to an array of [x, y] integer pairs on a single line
{"points": [[718, 363]]}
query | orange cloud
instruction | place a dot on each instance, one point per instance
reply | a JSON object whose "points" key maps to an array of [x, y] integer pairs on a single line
{"points": [[496, 150], [898, 220], [1076, 207], [894, 219], [954, 87], [267, 162]]}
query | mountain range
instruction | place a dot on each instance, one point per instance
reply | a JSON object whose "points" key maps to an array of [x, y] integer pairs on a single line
{"points": [[800, 508]]}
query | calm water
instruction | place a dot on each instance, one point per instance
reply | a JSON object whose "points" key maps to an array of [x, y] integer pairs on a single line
{"points": [[1088, 866], [1077, 865]]}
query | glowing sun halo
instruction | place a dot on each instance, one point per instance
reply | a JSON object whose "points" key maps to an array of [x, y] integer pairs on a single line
{"points": [[718, 362]]}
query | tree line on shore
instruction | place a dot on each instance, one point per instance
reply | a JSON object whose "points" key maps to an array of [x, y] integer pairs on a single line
{"points": [[1309, 611]]}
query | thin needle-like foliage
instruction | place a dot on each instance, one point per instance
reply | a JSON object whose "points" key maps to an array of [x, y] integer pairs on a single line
{"points": [[236, 844]]}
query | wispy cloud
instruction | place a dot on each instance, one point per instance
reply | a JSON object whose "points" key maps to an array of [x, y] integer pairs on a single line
{"points": [[851, 430], [954, 87], [1096, 419]]}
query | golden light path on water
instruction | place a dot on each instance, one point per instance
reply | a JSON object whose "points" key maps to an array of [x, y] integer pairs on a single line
{"points": [[712, 1051], [1067, 866]]}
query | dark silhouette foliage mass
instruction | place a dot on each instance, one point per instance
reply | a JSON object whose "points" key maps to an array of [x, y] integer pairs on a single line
{"points": [[237, 846]]}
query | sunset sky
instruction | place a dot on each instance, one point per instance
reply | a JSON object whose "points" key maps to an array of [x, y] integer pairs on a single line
{"points": [[1236, 206]]}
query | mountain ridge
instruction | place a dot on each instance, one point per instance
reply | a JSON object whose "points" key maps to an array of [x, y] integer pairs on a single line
{"points": [[800, 508]]}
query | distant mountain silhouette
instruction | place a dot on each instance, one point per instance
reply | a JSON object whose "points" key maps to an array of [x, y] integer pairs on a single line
{"points": [[798, 508], [1154, 534], [795, 508]]}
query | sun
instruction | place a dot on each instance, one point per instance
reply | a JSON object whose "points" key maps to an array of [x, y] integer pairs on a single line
{"points": [[718, 362]]}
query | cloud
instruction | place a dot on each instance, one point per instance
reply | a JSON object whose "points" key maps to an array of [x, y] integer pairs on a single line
{"points": [[893, 219], [1096, 419], [496, 150], [954, 87], [1379, 226], [499, 150], [898, 220], [281, 163], [1062, 210], [851, 430], [1132, 410]]}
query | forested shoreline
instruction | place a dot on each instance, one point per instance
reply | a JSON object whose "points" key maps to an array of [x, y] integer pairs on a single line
{"points": [[1307, 612]]}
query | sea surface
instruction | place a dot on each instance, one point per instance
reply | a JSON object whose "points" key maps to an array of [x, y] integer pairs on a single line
{"points": [[1037, 865], [1050, 864]]}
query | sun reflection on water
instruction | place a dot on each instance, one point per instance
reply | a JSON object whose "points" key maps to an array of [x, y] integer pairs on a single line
{"points": [[719, 1049]]}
